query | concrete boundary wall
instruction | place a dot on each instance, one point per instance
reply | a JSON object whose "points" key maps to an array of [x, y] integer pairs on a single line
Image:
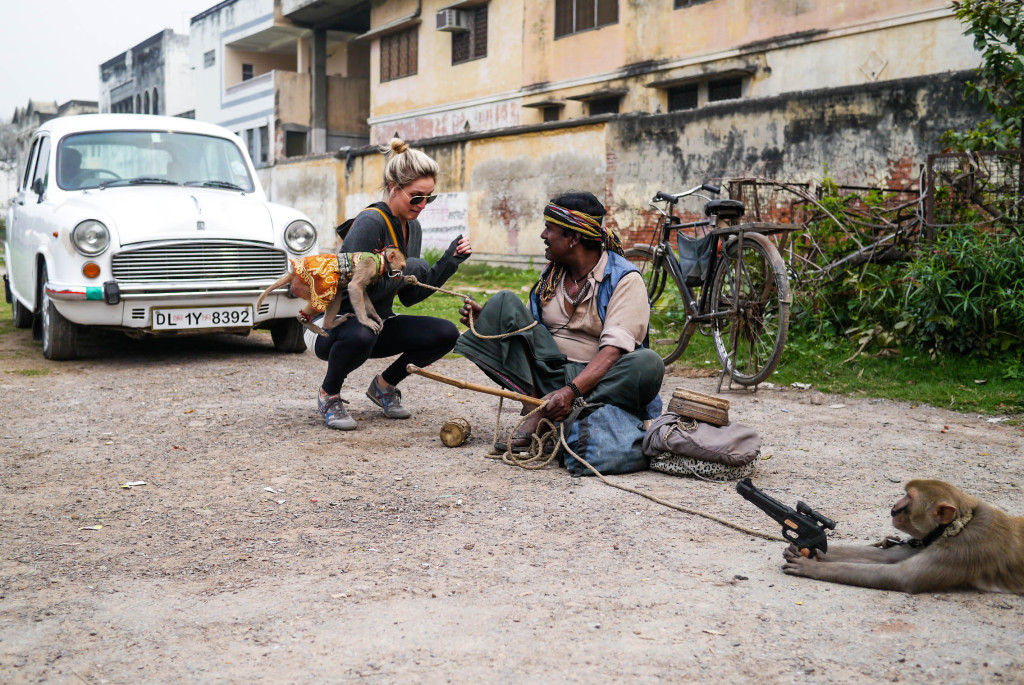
{"points": [[866, 135]]}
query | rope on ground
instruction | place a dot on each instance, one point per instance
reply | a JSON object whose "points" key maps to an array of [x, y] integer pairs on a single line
{"points": [[535, 455], [536, 459]]}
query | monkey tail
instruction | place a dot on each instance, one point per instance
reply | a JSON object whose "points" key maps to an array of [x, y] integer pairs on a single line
{"points": [[274, 286]]}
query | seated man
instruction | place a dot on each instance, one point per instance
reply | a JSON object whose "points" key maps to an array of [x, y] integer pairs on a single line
{"points": [[593, 312]]}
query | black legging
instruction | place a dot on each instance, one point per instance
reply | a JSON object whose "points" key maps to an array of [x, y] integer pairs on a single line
{"points": [[421, 340]]}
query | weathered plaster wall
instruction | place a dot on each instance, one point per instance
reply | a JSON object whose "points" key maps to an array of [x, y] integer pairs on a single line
{"points": [[867, 135], [313, 186]]}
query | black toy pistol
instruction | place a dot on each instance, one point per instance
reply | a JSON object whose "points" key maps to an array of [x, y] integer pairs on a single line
{"points": [[804, 527]]}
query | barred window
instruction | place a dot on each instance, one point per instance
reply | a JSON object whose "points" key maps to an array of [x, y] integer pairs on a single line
{"points": [[725, 89], [471, 44], [398, 54], [209, 58], [683, 97], [573, 16]]}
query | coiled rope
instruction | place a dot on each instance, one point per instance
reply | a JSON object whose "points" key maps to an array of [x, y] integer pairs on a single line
{"points": [[535, 458]]}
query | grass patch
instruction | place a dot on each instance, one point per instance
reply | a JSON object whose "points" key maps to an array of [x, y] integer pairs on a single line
{"points": [[6, 319], [478, 281], [965, 384], [31, 372]]}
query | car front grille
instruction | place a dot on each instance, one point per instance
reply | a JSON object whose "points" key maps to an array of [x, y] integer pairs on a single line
{"points": [[199, 261]]}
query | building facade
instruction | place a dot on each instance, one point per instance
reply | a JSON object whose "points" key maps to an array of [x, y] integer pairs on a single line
{"points": [[153, 77], [288, 88]]}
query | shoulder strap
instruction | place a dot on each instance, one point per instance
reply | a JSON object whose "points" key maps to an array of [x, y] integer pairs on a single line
{"points": [[394, 239]]}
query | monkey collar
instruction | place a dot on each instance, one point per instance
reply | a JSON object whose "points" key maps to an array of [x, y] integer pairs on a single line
{"points": [[945, 530]]}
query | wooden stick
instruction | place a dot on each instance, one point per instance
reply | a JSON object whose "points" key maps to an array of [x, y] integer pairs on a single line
{"points": [[466, 385]]}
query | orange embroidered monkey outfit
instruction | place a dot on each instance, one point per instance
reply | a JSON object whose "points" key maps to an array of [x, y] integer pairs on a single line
{"points": [[324, 273]]}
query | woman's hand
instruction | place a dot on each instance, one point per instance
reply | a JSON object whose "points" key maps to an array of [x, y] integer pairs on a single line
{"points": [[463, 248], [559, 404], [467, 307]]}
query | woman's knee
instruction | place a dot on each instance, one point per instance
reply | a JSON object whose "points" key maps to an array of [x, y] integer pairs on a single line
{"points": [[443, 335]]}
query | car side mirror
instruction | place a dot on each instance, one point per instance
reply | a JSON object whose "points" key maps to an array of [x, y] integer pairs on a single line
{"points": [[37, 188]]}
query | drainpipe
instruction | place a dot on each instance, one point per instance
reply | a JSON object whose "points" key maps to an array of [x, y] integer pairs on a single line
{"points": [[318, 93]]}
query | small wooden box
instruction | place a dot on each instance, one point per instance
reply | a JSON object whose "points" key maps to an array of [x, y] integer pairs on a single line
{"points": [[697, 405]]}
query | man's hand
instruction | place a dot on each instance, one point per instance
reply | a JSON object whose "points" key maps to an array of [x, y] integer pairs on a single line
{"points": [[559, 404], [467, 307]]}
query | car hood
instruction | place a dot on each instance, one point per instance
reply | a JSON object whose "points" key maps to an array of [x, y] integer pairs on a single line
{"points": [[147, 213]]}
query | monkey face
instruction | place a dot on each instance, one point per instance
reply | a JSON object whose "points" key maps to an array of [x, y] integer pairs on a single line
{"points": [[395, 260], [901, 514]]}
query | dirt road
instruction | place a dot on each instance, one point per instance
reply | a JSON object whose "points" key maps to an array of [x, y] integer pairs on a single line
{"points": [[265, 548]]}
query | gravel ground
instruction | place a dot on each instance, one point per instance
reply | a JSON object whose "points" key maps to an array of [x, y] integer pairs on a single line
{"points": [[265, 548]]}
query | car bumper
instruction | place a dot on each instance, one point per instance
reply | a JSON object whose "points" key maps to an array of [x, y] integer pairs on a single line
{"points": [[132, 305]]}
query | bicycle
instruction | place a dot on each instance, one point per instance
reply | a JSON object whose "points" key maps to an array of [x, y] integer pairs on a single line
{"points": [[744, 288]]}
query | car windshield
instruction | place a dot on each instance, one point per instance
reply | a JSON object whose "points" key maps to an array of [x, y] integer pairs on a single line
{"points": [[103, 159]]}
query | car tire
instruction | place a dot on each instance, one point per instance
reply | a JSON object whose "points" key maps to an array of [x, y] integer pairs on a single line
{"points": [[21, 314], [287, 336], [60, 336]]}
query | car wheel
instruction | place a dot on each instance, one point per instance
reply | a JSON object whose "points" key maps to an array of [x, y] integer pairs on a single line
{"points": [[21, 314], [60, 336], [287, 336]]}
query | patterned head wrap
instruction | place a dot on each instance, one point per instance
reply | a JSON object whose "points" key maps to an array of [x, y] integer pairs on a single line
{"points": [[588, 226]]}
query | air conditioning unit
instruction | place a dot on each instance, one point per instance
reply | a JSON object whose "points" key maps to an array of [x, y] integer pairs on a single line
{"points": [[453, 21]]}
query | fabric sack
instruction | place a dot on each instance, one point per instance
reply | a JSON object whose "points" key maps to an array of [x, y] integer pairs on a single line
{"points": [[609, 438], [732, 445], [694, 257]]}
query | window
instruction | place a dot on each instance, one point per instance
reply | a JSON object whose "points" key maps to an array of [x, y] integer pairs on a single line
{"points": [[42, 163], [398, 54], [294, 143], [209, 59], [471, 44], [28, 164], [264, 143], [608, 105], [573, 16], [552, 113], [683, 97], [246, 72], [138, 104], [145, 102], [726, 89], [680, 4], [156, 110]]}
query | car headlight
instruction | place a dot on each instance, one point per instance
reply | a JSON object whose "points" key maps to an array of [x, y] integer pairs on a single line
{"points": [[90, 237], [300, 236]]}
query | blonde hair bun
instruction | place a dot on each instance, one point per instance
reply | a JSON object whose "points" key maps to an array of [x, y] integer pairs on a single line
{"points": [[405, 164], [398, 146]]}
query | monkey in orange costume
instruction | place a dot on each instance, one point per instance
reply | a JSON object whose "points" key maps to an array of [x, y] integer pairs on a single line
{"points": [[318, 277]]}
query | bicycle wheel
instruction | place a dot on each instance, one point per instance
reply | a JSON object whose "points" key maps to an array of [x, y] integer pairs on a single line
{"points": [[749, 337], [669, 334]]}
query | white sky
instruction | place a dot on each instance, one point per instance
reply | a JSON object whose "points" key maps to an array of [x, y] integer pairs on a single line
{"points": [[52, 49]]}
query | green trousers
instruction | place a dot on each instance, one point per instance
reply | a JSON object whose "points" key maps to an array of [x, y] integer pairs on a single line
{"points": [[530, 362]]}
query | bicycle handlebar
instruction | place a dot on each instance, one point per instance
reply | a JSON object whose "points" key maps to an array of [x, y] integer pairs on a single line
{"points": [[662, 196]]}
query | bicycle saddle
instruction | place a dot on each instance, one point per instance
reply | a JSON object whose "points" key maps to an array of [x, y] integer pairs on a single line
{"points": [[725, 209]]}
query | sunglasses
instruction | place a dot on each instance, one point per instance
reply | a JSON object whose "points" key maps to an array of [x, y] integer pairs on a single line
{"points": [[419, 199]]}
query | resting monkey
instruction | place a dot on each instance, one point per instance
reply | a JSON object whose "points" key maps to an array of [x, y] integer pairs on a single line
{"points": [[959, 542], [318, 277]]}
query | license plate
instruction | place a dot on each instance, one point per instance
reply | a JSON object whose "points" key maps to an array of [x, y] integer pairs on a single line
{"points": [[201, 317]]}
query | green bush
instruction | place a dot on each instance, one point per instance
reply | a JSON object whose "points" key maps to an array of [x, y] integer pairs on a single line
{"points": [[968, 293]]}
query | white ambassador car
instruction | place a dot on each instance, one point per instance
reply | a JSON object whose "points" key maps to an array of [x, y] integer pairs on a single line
{"points": [[151, 225]]}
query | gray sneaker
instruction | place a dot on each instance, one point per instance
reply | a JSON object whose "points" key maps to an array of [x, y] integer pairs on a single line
{"points": [[389, 400], [334, 412]]}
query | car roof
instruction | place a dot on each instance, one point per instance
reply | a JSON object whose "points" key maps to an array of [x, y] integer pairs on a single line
{"points": [[62, 126]]}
